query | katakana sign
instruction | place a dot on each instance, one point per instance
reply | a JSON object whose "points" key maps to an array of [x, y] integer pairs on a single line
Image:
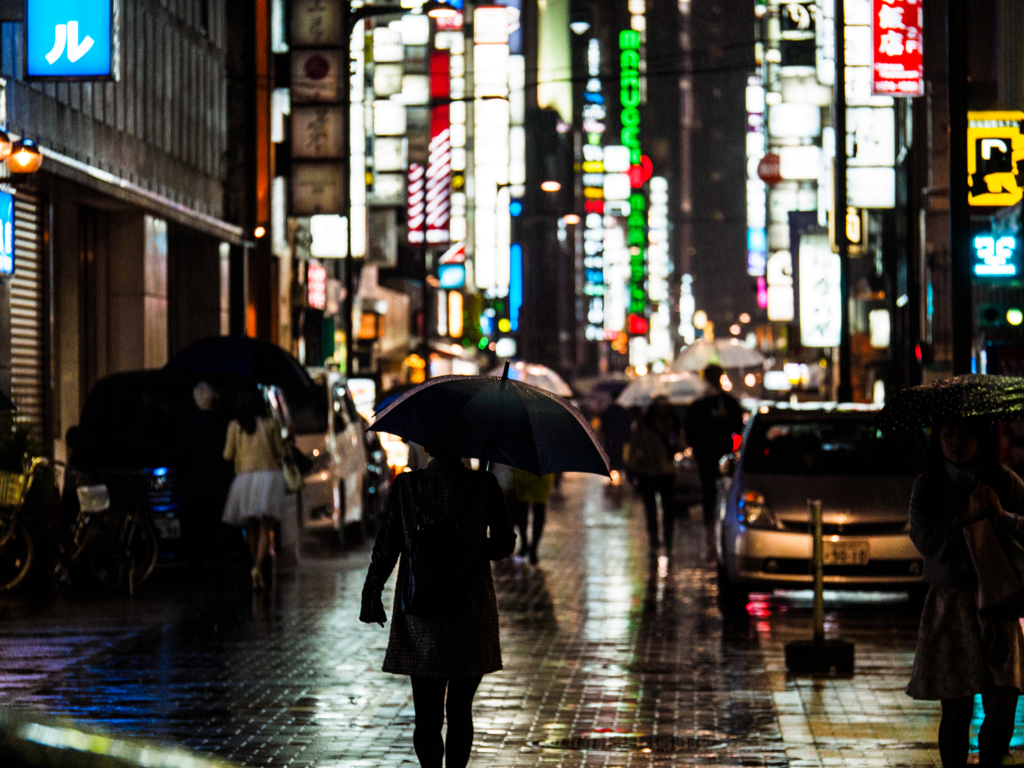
{"points": [[897, 61], [995, 147]]}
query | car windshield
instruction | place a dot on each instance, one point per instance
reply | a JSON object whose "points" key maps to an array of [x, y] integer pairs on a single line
{"points": [[308, 410], [832, 447]]}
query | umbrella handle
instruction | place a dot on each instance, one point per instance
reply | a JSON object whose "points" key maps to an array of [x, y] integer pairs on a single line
{"points": [[504, 373]]}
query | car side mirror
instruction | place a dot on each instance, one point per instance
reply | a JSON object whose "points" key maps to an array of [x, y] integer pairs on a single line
{"points": [[727, 464]]}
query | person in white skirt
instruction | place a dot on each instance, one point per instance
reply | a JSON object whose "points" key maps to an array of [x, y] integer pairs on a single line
{"points": [[256, 498]]}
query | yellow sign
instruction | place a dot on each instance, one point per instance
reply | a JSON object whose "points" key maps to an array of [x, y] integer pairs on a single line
{"points": [[995, 145]]}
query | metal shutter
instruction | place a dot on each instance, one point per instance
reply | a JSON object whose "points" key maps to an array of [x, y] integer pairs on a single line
{"points": [[27, 316]]}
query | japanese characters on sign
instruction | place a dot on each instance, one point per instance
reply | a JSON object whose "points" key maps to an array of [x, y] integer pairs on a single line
{"points": [[71, 39], [897, 53], [995, 147]]}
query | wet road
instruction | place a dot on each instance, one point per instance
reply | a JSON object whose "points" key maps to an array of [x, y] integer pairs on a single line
{"points": [[610, 660]]}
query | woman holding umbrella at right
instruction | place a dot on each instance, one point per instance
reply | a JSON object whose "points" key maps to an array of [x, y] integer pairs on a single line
{"points": [[962, 652]]}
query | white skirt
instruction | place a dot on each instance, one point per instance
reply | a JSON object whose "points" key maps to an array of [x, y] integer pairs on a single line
{"points": [[254, 495]]}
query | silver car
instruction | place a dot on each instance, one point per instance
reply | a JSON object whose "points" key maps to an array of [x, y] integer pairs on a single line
{"points": [[863, 477]]}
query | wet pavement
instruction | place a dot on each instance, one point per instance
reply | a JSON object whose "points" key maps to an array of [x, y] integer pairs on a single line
{"points": [[611, 659]]}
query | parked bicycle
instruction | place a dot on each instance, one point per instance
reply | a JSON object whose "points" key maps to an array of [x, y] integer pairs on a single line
{"points": [[119, 543], [17, 548]]}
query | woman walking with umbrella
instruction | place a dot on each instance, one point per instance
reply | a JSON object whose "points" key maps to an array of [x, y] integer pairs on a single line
{"points": [[444, 627], [964, 648]]}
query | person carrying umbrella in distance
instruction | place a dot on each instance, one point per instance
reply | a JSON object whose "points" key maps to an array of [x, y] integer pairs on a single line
{"points": [[967, 521], [442, 526], [655, 437]]}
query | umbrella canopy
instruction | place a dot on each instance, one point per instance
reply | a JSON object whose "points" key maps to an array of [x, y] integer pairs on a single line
{"points": [[680, 387], [973, 396], [6, 404], [244, 358], [538, 375], [499, 420], [728, 353]]}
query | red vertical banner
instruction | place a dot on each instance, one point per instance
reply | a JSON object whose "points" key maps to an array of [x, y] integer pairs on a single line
{"points": [[415, 205], [439, 175], [897, 62]]}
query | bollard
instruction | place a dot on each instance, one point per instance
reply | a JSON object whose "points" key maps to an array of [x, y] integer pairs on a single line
{"points": [[818, 655]]}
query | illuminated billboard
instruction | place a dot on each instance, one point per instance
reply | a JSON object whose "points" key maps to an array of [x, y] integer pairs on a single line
{"points": [[70, 39]]}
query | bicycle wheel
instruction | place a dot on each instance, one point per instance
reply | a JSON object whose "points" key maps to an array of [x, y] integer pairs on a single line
{"points": [[122, 549], [16, 557]]}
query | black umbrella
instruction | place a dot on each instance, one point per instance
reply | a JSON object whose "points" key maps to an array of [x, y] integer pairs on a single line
{"points": [[492, 419], [973, 396], [244, 358], [6, 404]]}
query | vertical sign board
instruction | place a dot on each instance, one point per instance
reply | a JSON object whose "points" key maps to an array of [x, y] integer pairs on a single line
{"points": [[629, 96], [898, 55], [6, 233], [821, 300], [995, 147], [71, 39]]}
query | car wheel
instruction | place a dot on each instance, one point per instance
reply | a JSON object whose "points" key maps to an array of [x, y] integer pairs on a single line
{"points": [[732, 597]]}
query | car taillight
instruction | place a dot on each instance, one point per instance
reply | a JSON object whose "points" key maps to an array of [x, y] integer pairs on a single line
{"points": [[754, 512]]}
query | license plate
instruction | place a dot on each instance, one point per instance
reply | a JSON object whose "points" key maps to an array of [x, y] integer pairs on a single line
{"points": [[168, 527], [846, 552]]}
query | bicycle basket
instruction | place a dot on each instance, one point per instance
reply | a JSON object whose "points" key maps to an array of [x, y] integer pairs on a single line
{"points": [[12, 486], [93, 498]]}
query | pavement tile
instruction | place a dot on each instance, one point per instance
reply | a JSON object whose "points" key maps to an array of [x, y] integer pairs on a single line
{"points": [[611, 660]]}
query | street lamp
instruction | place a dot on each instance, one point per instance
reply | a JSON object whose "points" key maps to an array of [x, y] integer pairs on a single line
{"points": [[24, 157], [437, 10]]}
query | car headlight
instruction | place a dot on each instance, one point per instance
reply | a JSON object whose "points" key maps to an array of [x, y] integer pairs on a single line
{"points": [[754, 512]]}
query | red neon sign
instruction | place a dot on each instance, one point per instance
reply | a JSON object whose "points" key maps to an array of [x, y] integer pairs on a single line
{"points": [[897, 67]]}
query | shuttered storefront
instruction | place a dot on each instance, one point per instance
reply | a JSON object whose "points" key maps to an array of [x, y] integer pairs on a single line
{"points": [[27, 315]]}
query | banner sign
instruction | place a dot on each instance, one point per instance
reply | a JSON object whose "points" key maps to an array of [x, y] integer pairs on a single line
{"points": [[70, 39], [6, 233], [897, 62], [995, 147], [821, 299]]}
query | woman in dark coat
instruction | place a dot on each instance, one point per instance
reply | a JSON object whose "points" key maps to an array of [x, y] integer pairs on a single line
{"points": [[451, 651], [961, 653]]}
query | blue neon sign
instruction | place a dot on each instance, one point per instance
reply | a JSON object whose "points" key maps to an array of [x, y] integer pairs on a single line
{"points": [[6, 233], [69, 38], [451, 275], [994, 256]]}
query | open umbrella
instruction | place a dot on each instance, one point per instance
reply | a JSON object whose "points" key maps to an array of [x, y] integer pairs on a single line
{"points": [[241, 357], [6, 404], [972, 396], [492, 419], [680, 387], [538, 375], [728, 353]]}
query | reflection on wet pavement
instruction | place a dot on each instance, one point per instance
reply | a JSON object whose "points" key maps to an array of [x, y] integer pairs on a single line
{"points": [[611, 659]]}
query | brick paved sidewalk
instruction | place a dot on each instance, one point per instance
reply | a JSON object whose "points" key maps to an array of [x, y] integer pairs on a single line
{"points": [[610, 660]]}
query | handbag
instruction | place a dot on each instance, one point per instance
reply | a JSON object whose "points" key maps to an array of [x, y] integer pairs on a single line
{"points": [[998, 559], [436, 583], [293, 479]]}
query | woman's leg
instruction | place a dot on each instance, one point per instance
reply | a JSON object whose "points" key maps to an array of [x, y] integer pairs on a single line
{"points": [[428, 701], [262, 543], [667, 491], [1000, 705], [954, 731], [521, 520], [537, 528], [461, 691], [252, 536]]}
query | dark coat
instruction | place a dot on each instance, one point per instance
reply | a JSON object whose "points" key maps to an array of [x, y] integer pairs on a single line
{"points": [[936, 506], [457, 646], [710, 424]]}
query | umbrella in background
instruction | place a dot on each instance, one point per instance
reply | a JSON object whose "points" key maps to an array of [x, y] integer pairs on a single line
{"points": [[6, 404], [537, 375], [499, 420], [728, 353], [973, 396], [241, 357], [680, 387]]}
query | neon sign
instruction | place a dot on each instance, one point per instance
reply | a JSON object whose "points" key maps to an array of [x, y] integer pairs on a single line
{"points": [[594, 112], [993, 257], [70, 39], [636, 233]]}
